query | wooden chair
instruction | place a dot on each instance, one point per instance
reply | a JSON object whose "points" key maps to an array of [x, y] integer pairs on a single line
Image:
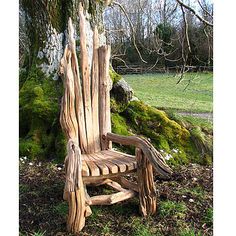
{"points": [[85, 119]]}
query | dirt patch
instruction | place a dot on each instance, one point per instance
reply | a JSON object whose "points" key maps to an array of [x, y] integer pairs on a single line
{"points": [[204, 115], [184, 205]]}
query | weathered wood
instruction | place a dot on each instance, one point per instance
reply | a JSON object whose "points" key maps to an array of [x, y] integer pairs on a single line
{"points": [[147, 192], [121, 165], [116, 186], [85, 119], [100, 164], [86, 83], [112, 168], [127, 184], [91, 179], [112, 198], [149, 151], [79, 106], [95, 92], [128, 160], [104, 106], [74, 190]]}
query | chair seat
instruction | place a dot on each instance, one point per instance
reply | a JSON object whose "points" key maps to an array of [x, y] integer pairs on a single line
{"points": [[107, 162]]}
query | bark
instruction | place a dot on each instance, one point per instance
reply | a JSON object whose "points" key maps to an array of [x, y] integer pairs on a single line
{"points": [[45, 25]]}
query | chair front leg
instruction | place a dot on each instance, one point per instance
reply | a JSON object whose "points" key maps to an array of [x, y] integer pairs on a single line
{"points": [[147, 191]]}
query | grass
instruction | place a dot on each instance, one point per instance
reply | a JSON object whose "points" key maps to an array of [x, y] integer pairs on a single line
{"points": [[61, 208], [44, 212], [208, 217], [140, 229], [193, 94], [172, 208]]}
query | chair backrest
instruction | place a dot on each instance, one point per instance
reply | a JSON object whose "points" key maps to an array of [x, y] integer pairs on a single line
{"points": [[95, 89], [85, 113]]}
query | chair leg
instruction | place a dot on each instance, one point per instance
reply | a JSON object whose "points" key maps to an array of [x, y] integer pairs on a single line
{"points": [[147, 191], [78, 210]]}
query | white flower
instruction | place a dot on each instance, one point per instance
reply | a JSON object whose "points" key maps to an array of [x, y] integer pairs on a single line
{"points": [[30, 163], [194, 179], [183, 196], [168, 156], [59, 168], [25, 157], [23, 162], [191, 200], [39, 164], [175, 150], [161, 150], [21, 159]]}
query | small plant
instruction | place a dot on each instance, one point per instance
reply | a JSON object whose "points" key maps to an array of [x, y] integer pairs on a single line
{"points": [[140, 229], [196, 192], [208, 218], [61, 208], [189, 232], [97, 211], [23, 188], [171, 208], [38, 233], [106, 229]]}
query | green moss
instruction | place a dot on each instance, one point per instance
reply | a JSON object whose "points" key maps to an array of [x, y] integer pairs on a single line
{"points": [[119, 125], [114, 76], [164, 133], [39, 106], [29, 148], [117, 107]]}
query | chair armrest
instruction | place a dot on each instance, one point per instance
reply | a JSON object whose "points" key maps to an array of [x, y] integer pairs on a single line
{"points": [[155, 157]]}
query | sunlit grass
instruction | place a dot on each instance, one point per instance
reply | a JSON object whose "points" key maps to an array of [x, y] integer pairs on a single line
{"points": [[194, 93]]}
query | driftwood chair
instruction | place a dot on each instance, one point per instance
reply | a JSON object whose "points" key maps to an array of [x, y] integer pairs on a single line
{"points": [[85, 119]]}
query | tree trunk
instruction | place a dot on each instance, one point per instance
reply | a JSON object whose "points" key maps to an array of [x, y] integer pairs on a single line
{"points": [[45, 25], [43, 36]]}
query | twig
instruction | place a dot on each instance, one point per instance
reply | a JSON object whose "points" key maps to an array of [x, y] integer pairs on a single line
{"points": [[132, 28], [195, 13]]}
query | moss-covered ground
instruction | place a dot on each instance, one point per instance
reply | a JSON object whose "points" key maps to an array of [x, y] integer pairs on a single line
{"points": [[184, 205]]}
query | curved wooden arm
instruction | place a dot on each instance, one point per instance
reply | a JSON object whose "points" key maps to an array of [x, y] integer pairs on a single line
{"points": [[155, 158]]}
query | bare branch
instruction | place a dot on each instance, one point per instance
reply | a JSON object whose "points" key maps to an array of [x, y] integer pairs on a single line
{"points": [[195, 13], [204, 9], [132, 28], [186, 28]]}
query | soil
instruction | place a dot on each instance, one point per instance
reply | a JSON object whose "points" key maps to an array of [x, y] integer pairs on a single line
{"points": [[43, 210]]}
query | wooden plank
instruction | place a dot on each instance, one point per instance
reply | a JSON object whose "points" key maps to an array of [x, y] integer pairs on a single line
{"points": [[90, 180], [122, 166], [103, 168], [93, 168], [95, 92], [111, 166], [86, 83], [85, 169], [130, 162], [104, 93]]}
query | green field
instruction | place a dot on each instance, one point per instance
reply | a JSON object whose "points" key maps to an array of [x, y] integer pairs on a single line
{"points": [[193, 94]]}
